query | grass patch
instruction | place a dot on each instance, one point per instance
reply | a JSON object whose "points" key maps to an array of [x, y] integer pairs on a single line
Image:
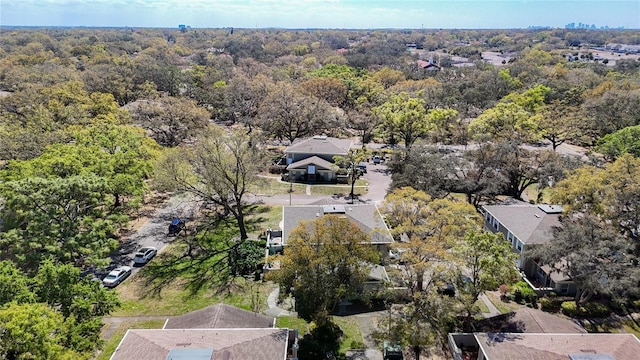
{"points": [[531, 193], [503, 307], [351, 330], [262, 217], [294, 322], [482, 307], [272, 186], [113, 342], [176, 300]]}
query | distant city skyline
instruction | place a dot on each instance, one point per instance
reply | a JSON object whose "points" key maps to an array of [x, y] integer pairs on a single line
{"points": [[335, 14]]}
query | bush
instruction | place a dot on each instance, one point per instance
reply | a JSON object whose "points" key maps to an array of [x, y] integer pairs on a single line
{"points": [[569, 308], [550, 304], [355, 344], [587, 310], [522, 293]]}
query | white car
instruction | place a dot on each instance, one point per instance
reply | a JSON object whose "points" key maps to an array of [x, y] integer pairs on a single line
{"points": [[116, 276], [144, 255]]}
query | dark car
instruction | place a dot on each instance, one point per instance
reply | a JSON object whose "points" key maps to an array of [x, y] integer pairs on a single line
{"points": [[363, 167], [176, 226]]}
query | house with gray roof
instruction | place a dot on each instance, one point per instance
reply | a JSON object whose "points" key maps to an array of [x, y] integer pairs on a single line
{"points": [[366, 216], [217, 332], [220, 316], [311, 159], [526, 226], [205, 344], [544, 346]]}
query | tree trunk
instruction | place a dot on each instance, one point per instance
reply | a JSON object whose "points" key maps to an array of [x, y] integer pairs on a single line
{"points": [[417, 351]]}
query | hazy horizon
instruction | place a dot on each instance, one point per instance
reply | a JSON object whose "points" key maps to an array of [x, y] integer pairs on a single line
{"points": [[320, 14]]}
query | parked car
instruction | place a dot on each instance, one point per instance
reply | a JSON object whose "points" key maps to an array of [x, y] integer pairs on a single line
{"points": [[116, 276], [377, 159], [145, 254], [363, 167], [176, 226]]}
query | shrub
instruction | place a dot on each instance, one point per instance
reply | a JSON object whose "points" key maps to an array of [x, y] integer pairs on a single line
{"points": [[355, 344], [595, 309], [569, 308], [550, 304]]}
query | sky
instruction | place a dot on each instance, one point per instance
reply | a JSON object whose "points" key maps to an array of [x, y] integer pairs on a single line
{"points": [[334, 14]]}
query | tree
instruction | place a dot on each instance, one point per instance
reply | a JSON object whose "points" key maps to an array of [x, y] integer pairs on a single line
{"points": [[170, 120], [286, 114], [621, 142], [425, 321], [432, 228], [325, 260], [33, 331], [560, 123], [602, 262], [425, 168], [361, 119], [488, 261], [218, 171], [60, 217], [515, 117], [351, 161], [215, 257], [405, 117], [611, 193]]}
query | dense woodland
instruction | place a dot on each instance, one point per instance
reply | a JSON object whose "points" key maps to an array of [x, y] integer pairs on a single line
{"points": [[91, 120]]}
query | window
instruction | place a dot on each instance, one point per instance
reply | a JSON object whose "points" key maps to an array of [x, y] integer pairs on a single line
{"points": [[510, 237], [519, 245], [564, 288]]}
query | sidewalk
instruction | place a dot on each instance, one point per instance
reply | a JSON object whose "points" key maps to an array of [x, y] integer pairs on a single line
{"points": [[493, 311]]}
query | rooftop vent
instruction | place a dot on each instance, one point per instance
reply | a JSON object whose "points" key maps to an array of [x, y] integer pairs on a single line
{"points": [[320, 137], [333, 209], [551, 209], [190, 354]]}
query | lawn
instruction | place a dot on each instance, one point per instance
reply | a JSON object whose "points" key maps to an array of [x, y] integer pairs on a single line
{"points": [[113, 342], [175, 300], [294, 322], [351, 329], [262, 217], [272, 186]]}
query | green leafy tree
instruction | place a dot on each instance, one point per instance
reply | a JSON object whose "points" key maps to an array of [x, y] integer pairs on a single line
{"points": [[486, 258], [60, 217], [432, 228], [33, 331], [515, 117], [621, 142], [325, 260], [405, 118]]}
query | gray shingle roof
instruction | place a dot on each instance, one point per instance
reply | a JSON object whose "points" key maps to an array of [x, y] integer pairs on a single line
{"points": [[527, 320], [527, 222], [318, 162], [508, 346], [320, 145], [366, 216], [236, 344], [220, 316]]}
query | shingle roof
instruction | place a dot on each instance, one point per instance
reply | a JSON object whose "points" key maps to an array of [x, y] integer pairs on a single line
{"points": [[318, 162], [220, 316], [366, 216], [527, 320], [527, 222], [509, 346], [236, 344], [320, 145]]}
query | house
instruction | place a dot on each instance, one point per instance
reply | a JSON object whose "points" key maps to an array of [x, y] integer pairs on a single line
{"points": [[220, 316], [428, 65], [526, 226], [214, 333], [366, 216], [204, 344], [311, 159], [528, 320], [544, 346]]}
